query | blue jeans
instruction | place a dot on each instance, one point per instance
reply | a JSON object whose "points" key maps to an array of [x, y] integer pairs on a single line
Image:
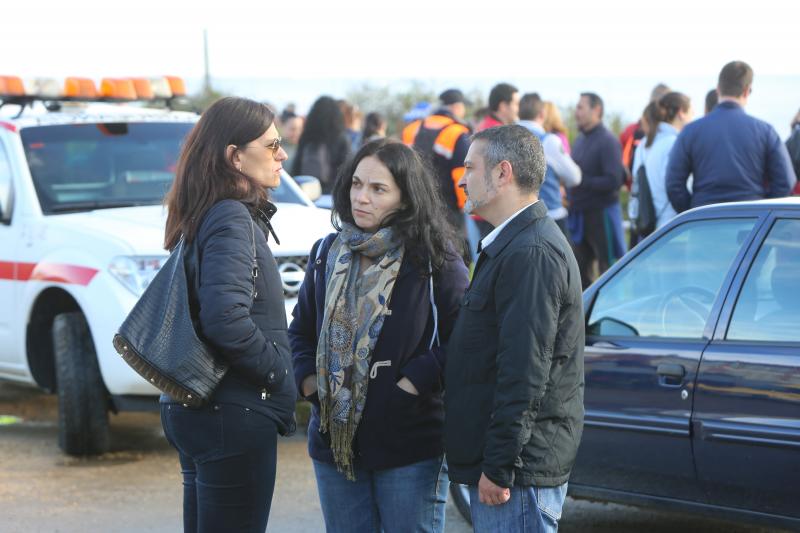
{"points": [[530, 510], [407, 498], [227, 455]]}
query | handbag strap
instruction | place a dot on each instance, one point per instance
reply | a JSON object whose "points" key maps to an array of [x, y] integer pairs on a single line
{"points": [[435, 336], [194, 256]]}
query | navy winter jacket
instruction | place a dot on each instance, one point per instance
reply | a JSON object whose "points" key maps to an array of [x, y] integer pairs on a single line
{"points": [[732, 157], [250, 333], [396, 428]]}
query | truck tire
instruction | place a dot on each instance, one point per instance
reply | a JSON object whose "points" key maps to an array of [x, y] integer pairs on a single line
{"points": [[82, 397], [460, 494]]}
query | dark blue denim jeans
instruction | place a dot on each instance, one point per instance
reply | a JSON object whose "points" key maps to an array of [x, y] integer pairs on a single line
{"points": [[407, 498], [227, 455], [530, 510]]}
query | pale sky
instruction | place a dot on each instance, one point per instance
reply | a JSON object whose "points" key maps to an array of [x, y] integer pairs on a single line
{"points": [[362, 40]]}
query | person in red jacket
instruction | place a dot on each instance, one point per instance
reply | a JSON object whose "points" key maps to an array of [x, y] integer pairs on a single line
{"points": [[503, 107]]}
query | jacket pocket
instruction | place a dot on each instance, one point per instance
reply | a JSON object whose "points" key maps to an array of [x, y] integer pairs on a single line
{"points": [[279, 367]]}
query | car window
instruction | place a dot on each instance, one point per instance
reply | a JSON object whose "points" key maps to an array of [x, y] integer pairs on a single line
{"points": [[5, 185], [80, 167], [668, 290], [768, 307]]}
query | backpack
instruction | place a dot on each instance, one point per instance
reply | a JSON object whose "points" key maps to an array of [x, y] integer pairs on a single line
{"points": [[645, 217]]}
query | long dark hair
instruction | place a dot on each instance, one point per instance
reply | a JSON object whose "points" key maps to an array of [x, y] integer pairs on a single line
{"points": [[373, 122], [664, 110], [324, 125], [205, 175], [421, 223]]}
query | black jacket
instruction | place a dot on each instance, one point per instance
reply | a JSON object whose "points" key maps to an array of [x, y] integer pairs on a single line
{"points": [[396, 428], [249, 332], [514, 402]]}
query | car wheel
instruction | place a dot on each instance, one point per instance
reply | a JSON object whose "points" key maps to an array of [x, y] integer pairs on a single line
{"points": [[82, 397], [460, 494]]}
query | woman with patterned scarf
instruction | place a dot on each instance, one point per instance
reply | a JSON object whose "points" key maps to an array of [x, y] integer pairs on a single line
{"points": [[369, 333]]}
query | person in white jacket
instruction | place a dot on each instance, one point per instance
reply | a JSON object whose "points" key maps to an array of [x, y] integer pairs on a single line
{"points": [[663, 120]]}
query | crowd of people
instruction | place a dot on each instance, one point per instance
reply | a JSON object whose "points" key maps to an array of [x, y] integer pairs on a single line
{"points": [[584, 178], [387, 299]]}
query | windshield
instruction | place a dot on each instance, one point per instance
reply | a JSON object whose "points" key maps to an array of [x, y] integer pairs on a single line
{"points": [[81, 167]]}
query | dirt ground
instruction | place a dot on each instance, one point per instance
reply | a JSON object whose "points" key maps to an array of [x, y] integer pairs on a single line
{"points": [[136, 487]]}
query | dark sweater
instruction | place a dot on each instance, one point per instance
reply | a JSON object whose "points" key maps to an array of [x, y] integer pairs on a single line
{"points": [[732, 157], [396, 428], [599, 155]]}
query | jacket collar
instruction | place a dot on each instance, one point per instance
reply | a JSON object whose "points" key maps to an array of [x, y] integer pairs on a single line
{"points": [[730, 105], [263, 215], [521, 221]]}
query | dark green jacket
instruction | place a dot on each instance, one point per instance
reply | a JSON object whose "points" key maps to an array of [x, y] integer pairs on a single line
{"points": [[514, 376]]}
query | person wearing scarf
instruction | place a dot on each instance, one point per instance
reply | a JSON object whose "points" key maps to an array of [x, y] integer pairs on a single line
{"points": [[368, 339]]}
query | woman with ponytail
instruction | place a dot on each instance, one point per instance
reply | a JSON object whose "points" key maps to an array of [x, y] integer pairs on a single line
{"points": [[665, 118]]}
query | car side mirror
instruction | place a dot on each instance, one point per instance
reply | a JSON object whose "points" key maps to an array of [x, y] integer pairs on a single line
{"points": [[612, 327], [310, 186]]}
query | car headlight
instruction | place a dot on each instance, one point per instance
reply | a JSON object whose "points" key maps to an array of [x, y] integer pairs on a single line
{"points": [[136, 272]]}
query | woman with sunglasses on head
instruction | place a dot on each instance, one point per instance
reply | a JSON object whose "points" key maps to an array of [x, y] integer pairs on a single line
{"points": [[219, 204], [368, 338]]}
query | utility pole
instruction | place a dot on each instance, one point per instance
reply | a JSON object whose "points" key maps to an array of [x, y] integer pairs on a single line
{"points": [[207, 77]]}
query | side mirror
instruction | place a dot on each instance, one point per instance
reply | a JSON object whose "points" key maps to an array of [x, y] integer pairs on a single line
{"points": [[310, 186], [612, 327]]}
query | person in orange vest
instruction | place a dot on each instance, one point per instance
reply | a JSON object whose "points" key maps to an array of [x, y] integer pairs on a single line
{"points": [[443, 139]]}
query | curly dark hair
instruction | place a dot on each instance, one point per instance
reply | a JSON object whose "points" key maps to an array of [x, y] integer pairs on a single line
{"points": [[422, 223]]}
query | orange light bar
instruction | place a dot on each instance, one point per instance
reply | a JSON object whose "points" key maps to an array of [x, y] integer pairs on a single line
{"points": [[143, 88], [177, 85], [11, 86], [117, 89], [79, 88]]}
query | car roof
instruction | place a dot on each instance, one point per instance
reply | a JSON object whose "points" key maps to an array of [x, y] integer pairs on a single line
{"points": [[79, 113], [790, 202]]}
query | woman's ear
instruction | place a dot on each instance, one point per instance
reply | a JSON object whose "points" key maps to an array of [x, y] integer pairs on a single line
{"points": [[232, 153]]}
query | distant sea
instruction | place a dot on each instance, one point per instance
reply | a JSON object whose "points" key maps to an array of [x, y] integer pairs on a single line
{"points": [[775, 99]]}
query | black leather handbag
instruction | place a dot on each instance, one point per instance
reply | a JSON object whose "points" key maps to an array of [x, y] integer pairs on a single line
{"points": [[159, 339]]}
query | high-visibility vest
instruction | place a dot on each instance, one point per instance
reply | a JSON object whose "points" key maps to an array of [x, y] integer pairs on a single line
{"points": [[437, 135]]}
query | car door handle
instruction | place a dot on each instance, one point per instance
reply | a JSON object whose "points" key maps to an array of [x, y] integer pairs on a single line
{"points": [[670, 374]]}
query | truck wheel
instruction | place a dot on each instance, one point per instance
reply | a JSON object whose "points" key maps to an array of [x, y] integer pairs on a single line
{"points": [[460, 494], [82, 398]]}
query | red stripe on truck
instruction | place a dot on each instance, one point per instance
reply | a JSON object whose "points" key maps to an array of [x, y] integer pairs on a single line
{"points": [[54, 272]]}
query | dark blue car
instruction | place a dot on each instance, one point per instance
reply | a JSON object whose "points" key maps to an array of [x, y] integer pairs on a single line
{"points": [[693, 368]]}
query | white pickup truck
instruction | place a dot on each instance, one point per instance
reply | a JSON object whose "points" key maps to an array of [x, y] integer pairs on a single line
{"points": [[81, 235]]}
